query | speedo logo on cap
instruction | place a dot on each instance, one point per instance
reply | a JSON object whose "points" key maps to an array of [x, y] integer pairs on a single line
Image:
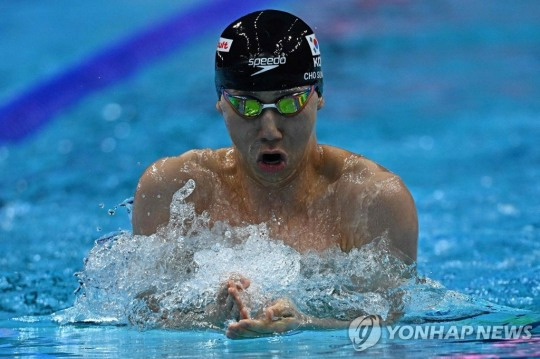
{"points": [[313, 45], [224, 45], [267, 63]]}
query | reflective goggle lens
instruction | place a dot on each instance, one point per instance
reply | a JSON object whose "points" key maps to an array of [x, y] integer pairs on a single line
{"points": [[252, 107], [293, 104], [236, 102], [287, 105]]}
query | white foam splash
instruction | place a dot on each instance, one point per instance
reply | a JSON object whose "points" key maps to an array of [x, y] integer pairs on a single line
{"points": [[171, 278]]}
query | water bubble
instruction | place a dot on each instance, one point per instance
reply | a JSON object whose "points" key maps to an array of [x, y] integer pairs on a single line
{"points": [[111, 212], [112, 111], [438, 195], [507, 209], [108, 145], [128, 205], [101, 205], [442, 246]]}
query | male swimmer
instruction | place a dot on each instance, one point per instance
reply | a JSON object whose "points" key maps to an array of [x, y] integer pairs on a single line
{"points": [[269, 83]]}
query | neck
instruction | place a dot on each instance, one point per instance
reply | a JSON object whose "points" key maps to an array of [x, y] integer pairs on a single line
{"points": [[267, 198]]}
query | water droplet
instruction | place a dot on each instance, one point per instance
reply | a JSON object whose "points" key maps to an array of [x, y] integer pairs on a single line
{"points": [[111, 212], [101, 205]]}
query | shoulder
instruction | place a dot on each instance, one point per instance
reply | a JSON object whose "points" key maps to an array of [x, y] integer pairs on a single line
{"points": [[162, 179], [350, 170], [376, 202], [174, 171]]}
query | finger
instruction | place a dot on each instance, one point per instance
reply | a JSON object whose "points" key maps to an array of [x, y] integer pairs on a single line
{"points": [[269, 314], [266, 327], [245, 282], [244, 313], [243, 310], [261, 327], [235, 331], [229, 304], [233, 292]]}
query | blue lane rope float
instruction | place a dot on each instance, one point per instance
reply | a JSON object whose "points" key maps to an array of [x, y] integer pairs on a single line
{"points": [[30, 110]]}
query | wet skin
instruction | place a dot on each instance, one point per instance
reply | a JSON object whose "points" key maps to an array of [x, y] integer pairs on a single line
{"points": [[311, 196]]}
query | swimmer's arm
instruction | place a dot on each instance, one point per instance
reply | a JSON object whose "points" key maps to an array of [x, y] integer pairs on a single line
{"points": [[312, 323], [152, 199], [390, 212], [156, 188], [393, 212]]}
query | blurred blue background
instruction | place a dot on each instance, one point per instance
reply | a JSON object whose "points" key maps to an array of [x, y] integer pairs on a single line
{"points": [[443, 93]]}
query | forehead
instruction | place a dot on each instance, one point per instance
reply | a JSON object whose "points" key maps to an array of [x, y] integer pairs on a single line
{"points": [[267, 95]]}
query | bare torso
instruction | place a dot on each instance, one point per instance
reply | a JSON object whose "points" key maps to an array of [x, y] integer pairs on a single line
{"points": [[340, 207]]}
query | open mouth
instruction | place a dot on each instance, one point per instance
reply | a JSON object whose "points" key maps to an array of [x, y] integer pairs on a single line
{"points": [[272, 158], [271, 161]]}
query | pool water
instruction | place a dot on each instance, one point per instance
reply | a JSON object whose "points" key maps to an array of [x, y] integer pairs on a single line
{"points": [[443, 93]]}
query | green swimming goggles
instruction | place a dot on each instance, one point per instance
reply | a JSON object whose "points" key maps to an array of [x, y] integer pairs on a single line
{"points": [[288, 105]]}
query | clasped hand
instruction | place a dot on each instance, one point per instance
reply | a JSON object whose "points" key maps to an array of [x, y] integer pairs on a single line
{"points": [[278, 317]]}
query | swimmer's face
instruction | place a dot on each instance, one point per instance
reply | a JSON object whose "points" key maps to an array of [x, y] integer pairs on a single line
{"points": [[272, 147]]}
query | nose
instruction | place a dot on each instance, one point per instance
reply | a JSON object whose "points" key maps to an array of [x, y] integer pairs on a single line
{"points": [[269, 126]]}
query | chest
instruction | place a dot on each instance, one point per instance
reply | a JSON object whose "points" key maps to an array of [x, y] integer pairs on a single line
{"points": [[316, 226]]}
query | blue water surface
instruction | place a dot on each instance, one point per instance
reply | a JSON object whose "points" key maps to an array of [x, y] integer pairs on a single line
{"points": [[443, 93]]}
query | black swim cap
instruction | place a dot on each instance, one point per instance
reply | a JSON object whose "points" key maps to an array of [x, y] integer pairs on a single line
{"points": [[266, 51]]}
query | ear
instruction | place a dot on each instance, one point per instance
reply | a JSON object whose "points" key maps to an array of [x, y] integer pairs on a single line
{"points": [[218, 106], [320, 103]]}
